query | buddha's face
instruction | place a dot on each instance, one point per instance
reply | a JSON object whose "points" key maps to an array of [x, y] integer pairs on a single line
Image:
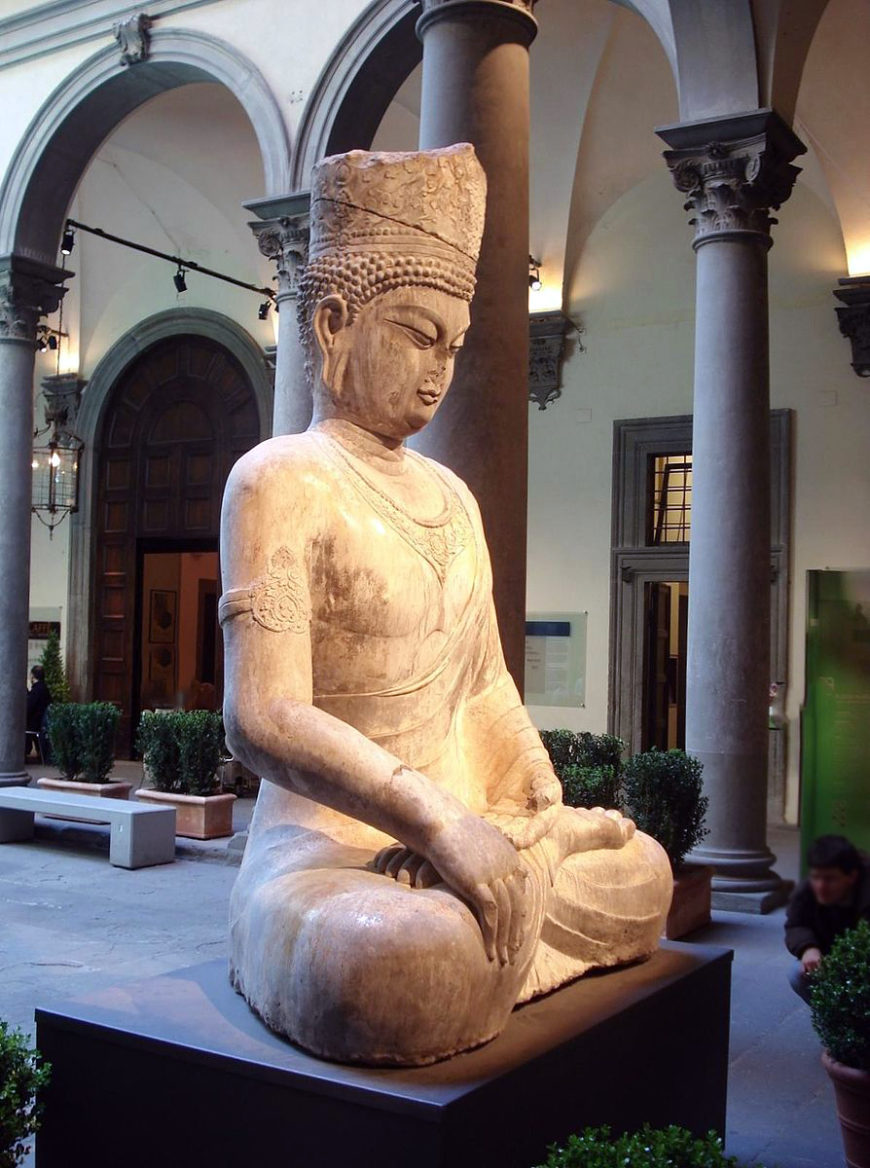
{"points": [[389, 371]]}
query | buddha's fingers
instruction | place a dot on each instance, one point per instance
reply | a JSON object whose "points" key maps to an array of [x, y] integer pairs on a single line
{"points": [[487, 917], [397, 862], [411, 866], [503, 924], [427, 875], [518, 925], [385, 855]]}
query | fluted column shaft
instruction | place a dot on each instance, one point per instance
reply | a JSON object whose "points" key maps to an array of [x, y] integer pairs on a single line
{"points": [[476, 89], [27, 290], [731, 186]]}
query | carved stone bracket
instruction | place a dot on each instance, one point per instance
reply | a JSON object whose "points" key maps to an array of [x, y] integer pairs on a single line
{"points": [[734, 171], [28, 290], [63, 396], [548, 332], [853, 316], [133, 39]]}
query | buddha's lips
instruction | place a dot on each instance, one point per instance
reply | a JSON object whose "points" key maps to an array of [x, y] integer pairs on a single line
{"points": [[428, 396]]}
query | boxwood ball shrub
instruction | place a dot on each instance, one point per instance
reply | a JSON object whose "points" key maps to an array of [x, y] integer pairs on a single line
{"points": [[23, 1075], [662, 793], [670, 1147], [182, 750], [82, 739], [588, 766], [840, 998]]}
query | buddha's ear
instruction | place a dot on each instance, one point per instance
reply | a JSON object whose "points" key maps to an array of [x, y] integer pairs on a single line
{"points": [[328, 322]]}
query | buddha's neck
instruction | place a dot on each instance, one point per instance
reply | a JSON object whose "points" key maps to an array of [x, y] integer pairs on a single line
{"points": [[384, 454]]}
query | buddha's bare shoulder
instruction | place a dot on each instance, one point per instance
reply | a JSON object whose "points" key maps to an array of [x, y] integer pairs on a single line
{"points": [[291, 462]]}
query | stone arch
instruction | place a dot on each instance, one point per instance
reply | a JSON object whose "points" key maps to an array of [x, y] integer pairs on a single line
{"points": [[90, 424], [357, 84], [86, 107]]}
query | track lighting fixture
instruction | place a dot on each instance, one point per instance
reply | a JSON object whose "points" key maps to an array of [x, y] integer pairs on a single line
{"points": [[535, 282], [69, 240], [52, 342], [179, 280], [41, 344], [263, 310]]}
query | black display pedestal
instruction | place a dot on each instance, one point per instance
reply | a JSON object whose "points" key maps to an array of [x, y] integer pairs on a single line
{"points": [[176, 1070]]}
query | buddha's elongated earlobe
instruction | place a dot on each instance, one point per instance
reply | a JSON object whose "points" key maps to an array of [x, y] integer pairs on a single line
{"points": [[328, 322]]}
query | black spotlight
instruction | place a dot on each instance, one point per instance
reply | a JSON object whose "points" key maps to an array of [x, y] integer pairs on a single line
{"points": [[41, 344], [52, 342], [179, 281], [263, 310], [68, 242]]}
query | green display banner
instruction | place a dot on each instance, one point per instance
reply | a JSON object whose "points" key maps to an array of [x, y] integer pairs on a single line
{"points": [[836, 723]]}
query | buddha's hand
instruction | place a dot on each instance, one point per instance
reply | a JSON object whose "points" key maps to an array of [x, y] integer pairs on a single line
{"points": [[482, 867]]}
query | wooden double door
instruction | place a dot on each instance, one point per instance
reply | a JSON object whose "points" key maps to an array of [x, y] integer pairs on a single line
{"points": [[175, 423]]}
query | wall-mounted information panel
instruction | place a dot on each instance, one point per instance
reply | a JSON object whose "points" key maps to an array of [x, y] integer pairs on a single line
{"points": [[556, 659]]}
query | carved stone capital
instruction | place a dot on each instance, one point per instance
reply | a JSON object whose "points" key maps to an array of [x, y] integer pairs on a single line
{"points": [[63, 395], [518, 14], [734, 172], [853, 316], [285, 240], [28, 290], [548, 332], [133, 39]]}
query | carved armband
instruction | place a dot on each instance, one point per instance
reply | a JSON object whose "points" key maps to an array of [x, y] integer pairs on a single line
{"points": [[277, 601]]}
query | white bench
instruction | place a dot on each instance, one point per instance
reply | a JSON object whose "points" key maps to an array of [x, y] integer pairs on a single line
{"points": [[140, 835]]}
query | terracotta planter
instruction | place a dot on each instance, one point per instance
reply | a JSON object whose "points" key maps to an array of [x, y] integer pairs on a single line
{"points": [[117, 790], [690, 907], [199, 817], [852, 1092]]}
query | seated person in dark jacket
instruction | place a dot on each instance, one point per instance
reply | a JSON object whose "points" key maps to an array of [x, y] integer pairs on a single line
{"points": [[38, 701], [834, 898]]}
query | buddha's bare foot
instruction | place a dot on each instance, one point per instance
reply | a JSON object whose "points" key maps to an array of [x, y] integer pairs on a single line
{"points": [[579, 829], [406, 867]]}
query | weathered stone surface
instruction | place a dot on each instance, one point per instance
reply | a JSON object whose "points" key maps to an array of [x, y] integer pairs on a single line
{"points": [[411, 871]]}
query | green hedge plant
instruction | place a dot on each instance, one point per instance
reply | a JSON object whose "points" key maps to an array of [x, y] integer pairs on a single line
{"points": [[840, 998], [82, 739], [55, 674], [663, 794], [669, 1147], [23, 1076], [588, 766], [182, 750]]}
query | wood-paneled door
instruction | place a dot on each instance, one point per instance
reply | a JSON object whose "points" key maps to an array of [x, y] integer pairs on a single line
{"points": [[175, 423]]}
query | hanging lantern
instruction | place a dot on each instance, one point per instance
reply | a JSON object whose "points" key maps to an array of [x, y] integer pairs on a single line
{"points": [[55, 463]]}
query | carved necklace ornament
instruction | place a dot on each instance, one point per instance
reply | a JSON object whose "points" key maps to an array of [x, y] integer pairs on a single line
{"points": [[440, 540], [277, 601]]}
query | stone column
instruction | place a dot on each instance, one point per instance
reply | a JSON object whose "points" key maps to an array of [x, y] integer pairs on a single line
{"points": [[282, 235], [476, 89], [733, 171], [27, 290]]}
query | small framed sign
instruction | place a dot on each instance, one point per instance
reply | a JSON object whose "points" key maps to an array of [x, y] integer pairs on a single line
{"points": [[556, 659]]}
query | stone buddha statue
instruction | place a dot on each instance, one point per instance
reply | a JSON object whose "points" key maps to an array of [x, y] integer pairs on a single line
{"points": [[411, 873]]}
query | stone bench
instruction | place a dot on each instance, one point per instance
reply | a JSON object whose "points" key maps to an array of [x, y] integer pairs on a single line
{"points": [[140, 835]]}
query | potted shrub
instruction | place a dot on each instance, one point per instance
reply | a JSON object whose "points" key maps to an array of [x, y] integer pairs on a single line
{"points": [[840, 1004], [652, 1147], [588, 766], [82, 739], [182, 751], [23, 1075], [662, 793]]}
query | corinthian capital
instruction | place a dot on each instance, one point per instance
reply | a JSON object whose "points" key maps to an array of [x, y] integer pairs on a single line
{"points": [[734, 172], [28, 290]]}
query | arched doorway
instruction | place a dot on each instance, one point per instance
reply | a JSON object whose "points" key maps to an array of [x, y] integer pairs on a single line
{"points": [[177, 419]]}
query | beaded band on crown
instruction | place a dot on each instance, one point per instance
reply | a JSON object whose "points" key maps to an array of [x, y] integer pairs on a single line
{"points": [[382, 221]]}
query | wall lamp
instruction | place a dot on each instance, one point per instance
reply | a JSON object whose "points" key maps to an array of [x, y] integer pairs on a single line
{"points": [[535, 282], [263, 310], [179, 281]]}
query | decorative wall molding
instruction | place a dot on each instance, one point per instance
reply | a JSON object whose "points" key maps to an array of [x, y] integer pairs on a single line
{"points": [[853, 316], [63, 396], [548, 334], [48, 28], [734, 171], [133, 38]]}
